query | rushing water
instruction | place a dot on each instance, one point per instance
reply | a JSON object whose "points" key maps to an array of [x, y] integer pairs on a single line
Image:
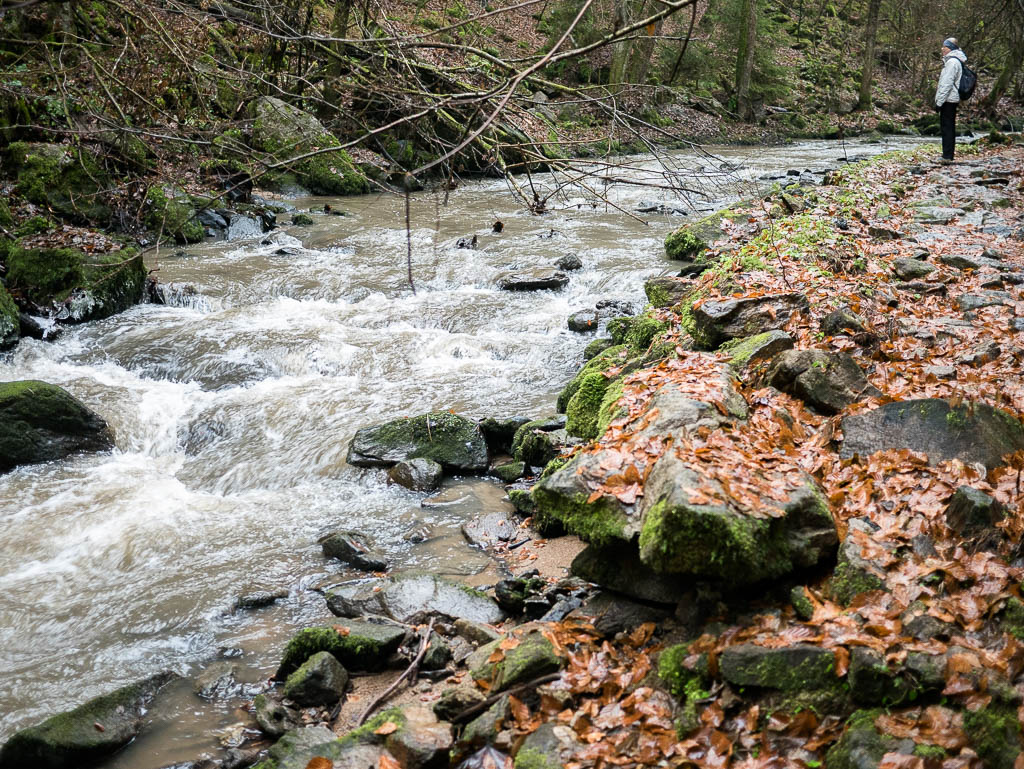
{"points": [[233, 410]]}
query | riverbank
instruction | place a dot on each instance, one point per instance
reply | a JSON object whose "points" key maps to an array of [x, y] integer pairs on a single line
{"points": [[909, 268]]}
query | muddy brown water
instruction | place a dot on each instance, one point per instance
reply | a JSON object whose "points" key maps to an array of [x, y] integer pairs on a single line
{"points": [[233, 409]]}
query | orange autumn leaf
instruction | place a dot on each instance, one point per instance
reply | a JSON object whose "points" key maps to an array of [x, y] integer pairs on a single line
{"points": [[387, 761], [388, 727], [319, 762]]}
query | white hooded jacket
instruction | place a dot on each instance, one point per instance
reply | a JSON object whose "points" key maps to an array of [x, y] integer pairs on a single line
{"points": [[949, 80]]}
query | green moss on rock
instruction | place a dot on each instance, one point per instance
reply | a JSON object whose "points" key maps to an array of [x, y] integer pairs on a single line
{"points": [[172, 216], [599, 522], [9, 323], [676, 675], [860, 744], [44, 274], [848, 582], [995, 735], [583, 409], [617, 354], [67, 180]]}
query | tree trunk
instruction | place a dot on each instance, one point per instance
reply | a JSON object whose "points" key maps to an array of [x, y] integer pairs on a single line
{"points": [[1013, 64], [620, 50], [643, 51], [745, 59], [868, 68], [339, 29]]}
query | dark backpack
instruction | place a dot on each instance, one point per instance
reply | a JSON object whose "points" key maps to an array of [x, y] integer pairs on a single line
{"points": [[968, 79]]}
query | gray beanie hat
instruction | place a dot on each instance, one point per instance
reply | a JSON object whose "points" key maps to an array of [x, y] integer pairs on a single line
{"points": [[950, 43]]}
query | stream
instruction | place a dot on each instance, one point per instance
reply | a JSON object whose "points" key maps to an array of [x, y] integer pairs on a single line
{"points": [[233, 408]]}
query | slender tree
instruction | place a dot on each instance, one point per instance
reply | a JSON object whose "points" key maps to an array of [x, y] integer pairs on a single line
{"points": [[868, 65], [745, 59]]}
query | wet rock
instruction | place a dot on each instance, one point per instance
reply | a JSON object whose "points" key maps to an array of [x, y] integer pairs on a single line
{"points": [[971, 431], [611, 614], [489, 529], [351, 548], [614, 308], [799, 667], [273, 717], [537, 279], [569, 263], [828, 381], [925, 627], [361, 748], [259, 599], [511, 594], [689, 243], [972, 302], [666, 291], [842, 321], [655, 207], [936, 214], [582, 321], [533, 657], [217, 682], [359, 645], [499, 431], [973, 514], [476, 632], [209, 218], [922, 288], [456, 443], [982, 354], [912, 269], [302, 220], [761, 348], [968, 262], [801, 603], [41, 422], [320, 680], [484, 728], [421, 741], [550, 746], [1017, 325], [86, 734], [457, 700], [717, 321], [417, 474], [538, 442], [407, 597], [438, 655], [617, 566], [32, 326], [509, 472]]}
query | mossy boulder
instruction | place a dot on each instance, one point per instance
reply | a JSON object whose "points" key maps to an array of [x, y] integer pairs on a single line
{"points": [[995, 734], [689, 244], [969, 431], [861, 745], [584, 407], [285, 132], [539, 441], [454, 442], [799, 667], [760, 348], [666, 291], [85, 735], [359, 646], [854, 574], [75, 287], [827, 381], [9, 323], [41, 422], [616, 355], [684, 533], [67, 180], [360, 747], [534, 656], [172, 215], [320, 680], [718, 320]]}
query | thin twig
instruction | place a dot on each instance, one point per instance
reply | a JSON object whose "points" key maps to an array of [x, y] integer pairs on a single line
{"points": [[411, 670], [480, 707]]}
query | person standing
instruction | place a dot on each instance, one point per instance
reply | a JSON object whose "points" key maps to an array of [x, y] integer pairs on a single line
{"points": [[947, 95]]}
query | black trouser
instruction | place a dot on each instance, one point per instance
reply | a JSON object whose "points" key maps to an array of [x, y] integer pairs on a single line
{"points": [[947, 122]]}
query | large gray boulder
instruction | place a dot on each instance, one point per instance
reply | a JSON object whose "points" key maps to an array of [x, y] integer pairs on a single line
{"points": [[827, 381], [85, 735], [970, 432], [41, 422], [719, 320], [406, 597], [454, 442]]}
